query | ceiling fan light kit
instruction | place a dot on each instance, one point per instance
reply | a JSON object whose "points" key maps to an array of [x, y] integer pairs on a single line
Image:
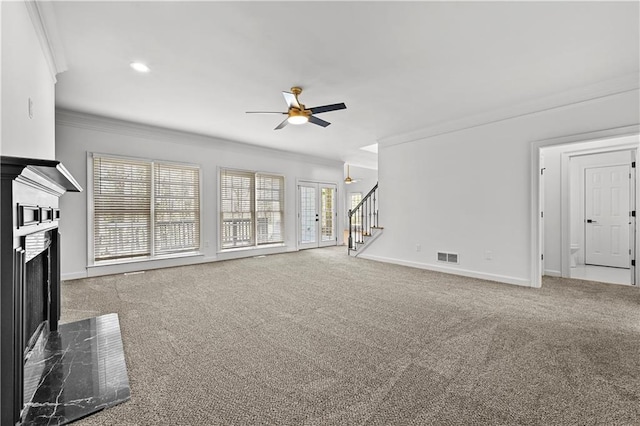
{"points": [[298, 117], [298, 113]]}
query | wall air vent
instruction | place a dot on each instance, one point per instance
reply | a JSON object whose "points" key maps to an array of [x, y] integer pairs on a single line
{"points": [[447, 257]]}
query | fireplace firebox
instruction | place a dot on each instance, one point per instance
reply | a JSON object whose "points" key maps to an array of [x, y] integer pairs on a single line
{"points": [[29, 270]]}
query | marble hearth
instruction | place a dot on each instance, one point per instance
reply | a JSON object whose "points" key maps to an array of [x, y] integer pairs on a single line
{"points": [[81, 370]]}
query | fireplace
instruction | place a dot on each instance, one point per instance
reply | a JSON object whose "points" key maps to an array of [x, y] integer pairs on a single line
{"points": [[29, 271], [36, 284]]}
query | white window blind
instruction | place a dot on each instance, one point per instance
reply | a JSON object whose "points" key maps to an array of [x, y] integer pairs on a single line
{"points": [[144, 208], [176, 208], [237, 206], [270, 208], [122, 208], [252, 208]]}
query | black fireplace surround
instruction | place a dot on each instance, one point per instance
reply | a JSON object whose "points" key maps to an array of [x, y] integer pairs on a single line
{"points": [[29, 269]]}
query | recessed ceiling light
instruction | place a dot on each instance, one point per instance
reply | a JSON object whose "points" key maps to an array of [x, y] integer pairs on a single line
{"points": [[140, 67]]}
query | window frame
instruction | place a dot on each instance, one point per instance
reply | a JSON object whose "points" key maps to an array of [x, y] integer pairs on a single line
{"points": [[91, 262], [255, 245], [357, 220]]}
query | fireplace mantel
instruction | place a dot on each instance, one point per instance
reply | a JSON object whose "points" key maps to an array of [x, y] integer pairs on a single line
{"points": [[50, 175], [29, 194]]}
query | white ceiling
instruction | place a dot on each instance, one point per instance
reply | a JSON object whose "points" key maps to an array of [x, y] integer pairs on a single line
{"points": [[399, 67]]}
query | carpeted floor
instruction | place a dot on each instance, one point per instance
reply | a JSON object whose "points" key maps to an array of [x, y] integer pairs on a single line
{"points": [[316, 337]]}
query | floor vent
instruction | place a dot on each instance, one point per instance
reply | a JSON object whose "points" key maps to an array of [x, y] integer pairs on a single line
{"points": [[447, 257]]}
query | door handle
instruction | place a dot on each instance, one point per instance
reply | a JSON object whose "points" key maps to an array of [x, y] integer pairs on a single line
{"points": [[591, 221]]}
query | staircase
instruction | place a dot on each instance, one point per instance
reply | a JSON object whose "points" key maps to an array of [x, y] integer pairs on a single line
{"points": [[363, 223]]}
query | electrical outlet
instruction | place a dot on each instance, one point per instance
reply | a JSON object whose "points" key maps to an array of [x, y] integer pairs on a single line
{"points": [[30, 108], [206, 243], [418, 247], [488, 255]]}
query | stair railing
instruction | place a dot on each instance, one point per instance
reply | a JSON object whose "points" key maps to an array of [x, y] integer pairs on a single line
{"points": [[363, 218]]}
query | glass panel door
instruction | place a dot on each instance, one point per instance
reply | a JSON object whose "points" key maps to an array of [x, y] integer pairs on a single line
{"points": [[316, 215], [308, 216], [328, 215]]}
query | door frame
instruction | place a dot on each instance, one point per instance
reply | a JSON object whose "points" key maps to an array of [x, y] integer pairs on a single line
{"points": [[541, 210], [319, 184], [627, 134]]}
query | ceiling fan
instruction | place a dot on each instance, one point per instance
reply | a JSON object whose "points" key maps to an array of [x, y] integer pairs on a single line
{"points": [[298, 113], [348, 180]]}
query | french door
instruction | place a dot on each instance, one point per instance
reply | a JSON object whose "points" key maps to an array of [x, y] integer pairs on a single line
{"points": [[317, 214]]}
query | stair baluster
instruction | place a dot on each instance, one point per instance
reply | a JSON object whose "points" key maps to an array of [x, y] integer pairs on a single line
{"points": [[362, 219]]}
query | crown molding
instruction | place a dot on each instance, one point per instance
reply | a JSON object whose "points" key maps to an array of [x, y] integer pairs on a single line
{"points": [[617, 86], [83, 120], [45, 26]]}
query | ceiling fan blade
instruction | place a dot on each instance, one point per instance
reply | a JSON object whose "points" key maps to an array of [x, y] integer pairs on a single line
{"points": [[281, 125], [291, 100], [327, 108], [265, 112], [318, 121]]}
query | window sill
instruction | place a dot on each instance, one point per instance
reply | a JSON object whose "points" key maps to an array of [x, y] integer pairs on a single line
{"points": [[249, 248], [145, 259]]}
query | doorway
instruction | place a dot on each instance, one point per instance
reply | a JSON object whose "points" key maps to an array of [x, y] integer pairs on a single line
{"points": [[585, 196], [317, 214], [600, 215]]}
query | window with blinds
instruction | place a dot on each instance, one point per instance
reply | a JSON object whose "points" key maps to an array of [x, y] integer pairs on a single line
{"points": [[176, 208], [142, 209], [251, 209], [237, 206], [269, 208], [122, 208]]}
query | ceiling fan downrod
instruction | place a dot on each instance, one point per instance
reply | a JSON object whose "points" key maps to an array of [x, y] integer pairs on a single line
{"points": [[296, 91]]}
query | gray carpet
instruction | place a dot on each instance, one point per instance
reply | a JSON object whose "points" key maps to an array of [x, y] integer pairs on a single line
{"points": [[316, 337]]}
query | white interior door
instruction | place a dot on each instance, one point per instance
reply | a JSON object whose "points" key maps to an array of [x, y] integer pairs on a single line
{"points": [[607, 206], [316, 215]]}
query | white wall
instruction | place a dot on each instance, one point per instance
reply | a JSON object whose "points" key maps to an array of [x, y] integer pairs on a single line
{"points": [[1, 84], [553, 193], [78, 134], [469, 191], [25, 74]]}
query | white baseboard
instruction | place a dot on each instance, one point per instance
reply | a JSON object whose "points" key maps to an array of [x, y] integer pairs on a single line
{"points": [[147, 265], [73, 276], [449, 270], [369, 242], [97, 271], [552, 273]]}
